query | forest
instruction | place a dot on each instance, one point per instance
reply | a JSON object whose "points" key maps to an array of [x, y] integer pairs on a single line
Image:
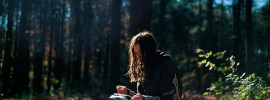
{"points": [[56, 49]]}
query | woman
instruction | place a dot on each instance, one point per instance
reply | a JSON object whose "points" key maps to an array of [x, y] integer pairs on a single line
{"points": [[153, 71]]}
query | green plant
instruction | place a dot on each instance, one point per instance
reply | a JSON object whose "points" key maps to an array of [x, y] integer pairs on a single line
{"points": [[230, 85], [253, 88]]}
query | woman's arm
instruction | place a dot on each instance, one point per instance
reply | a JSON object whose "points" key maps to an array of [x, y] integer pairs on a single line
{"points": [[169, 82]]}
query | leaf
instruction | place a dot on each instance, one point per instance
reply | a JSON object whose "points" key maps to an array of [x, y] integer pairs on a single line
{"points": [[212, 65], [203, 61], [201, 55], [207, 64], [208, 54], [199, 50], [220, 69]]}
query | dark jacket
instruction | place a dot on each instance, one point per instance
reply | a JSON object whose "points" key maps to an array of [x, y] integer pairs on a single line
{"points": [[160, 79]]}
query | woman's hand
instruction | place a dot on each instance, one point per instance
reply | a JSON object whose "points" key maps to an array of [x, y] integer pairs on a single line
{"points": [[137, 97], [121, 89]]}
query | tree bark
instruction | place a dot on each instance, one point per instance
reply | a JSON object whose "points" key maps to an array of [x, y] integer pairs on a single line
{"points": [[209, 35], [21, 68], [114, 69], [60, 30], [268, 32], [140, 16], [78, 40], [87, 43], [236, 30], [6, 87], [248, 41], [160, 31], [40, 50]]}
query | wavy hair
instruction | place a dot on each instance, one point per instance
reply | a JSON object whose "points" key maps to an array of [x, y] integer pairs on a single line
{"points": [[148, 44]]}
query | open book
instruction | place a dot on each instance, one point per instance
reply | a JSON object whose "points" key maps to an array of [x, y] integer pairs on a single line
{"points": [[118, 96]]}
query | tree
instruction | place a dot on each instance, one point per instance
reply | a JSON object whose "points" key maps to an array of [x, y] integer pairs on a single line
{"points": [[237, 42], [160, 33], [40, 48], [115, 46], [248, 40], [77, 32], [20, 80], [269, 31], [209, 31], [7, 56], [59, 59], [88, 16], [140, 16]]}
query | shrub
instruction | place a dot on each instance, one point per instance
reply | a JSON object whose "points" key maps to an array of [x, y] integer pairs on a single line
{"points": [[230, 85]]}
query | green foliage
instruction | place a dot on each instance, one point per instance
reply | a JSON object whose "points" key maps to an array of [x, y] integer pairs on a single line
{"points": [[252, 88], [232, 86]]}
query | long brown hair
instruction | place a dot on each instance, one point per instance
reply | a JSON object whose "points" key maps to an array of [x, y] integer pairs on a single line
{"points": [[148, 44]]}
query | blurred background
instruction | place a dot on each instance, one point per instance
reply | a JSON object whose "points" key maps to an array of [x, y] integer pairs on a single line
{"points": [[79, 48]]}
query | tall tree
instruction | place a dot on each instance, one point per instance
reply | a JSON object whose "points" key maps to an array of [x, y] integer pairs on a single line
{"points": [[59, 44], [40, 48], [140, 16], [269, 31], [2, 31], [88, 15], [51, 37], [207, 37], [115, 46], [236, 30], [221, 25], [160, 32], [248, 40], [200, 19], [209, 31], [77, 40], [6, 88], [20, 81]]}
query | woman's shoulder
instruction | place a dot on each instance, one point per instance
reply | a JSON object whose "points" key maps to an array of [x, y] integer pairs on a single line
{"points": [[166, 63]]}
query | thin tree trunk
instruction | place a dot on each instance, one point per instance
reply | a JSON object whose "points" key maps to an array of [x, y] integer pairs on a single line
{"points": [[200, 21], [59, 59], [268, 32], [21, 68], [40, 51], [78, 47], [115, 46], [160, 33], [221, 26], [88, 16], [236, 30], [7, 56], [201, 86], [209, 36], [248, 41], [140, 16]]}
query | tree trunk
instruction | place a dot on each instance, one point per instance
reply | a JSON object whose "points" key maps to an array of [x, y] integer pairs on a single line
{"points": [[59, 59], [140, 16], [160, 32], [269, 31], [78, 35], [220, 47], [7, 56], [236, 31], [200, 22], [115, 46], [201, 86], [21, 68], [209, 33], [87, 43], [248, 41]]}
